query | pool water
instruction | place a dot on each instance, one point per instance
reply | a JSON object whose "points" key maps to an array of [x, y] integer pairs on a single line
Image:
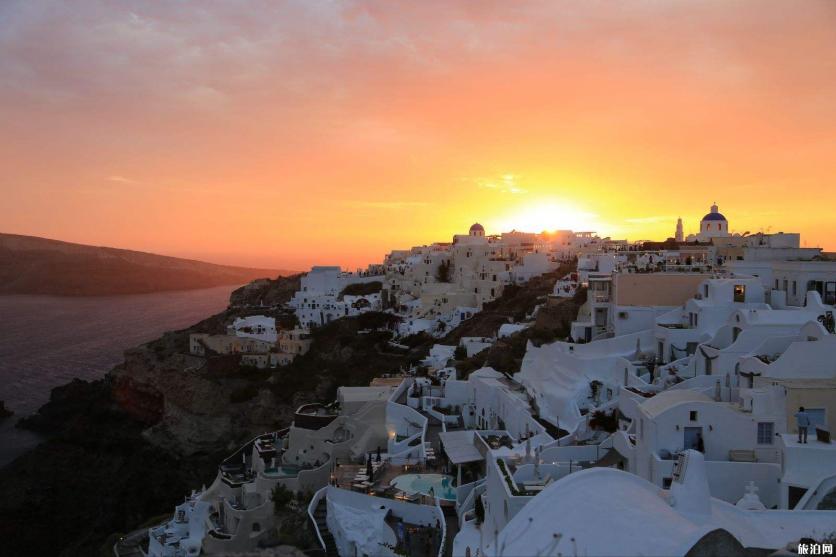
{"points": [[284, 471], [441, 485]]}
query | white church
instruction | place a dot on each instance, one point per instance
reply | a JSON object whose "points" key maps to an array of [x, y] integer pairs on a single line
{"points": [[712, 225]]}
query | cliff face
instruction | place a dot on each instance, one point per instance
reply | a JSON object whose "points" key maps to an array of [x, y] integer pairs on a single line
{"points": [[95, 475], [266, 292], [185, 402]]}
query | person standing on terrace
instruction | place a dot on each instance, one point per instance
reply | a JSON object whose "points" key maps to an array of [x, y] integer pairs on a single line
{"points": [[802, 421]]}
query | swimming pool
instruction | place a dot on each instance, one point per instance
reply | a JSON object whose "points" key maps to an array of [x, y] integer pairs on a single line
{"points": [[441, 485], [284, 471]]}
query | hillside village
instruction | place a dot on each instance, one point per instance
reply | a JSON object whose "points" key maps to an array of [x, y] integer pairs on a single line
{"points": [[535, 394]]}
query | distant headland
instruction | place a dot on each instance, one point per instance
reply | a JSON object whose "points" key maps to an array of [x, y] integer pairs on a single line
{"points": [[32, 265]]}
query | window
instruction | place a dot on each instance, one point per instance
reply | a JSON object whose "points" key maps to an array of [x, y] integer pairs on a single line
{"points": [[692, 415], [827, 290], [739, 292], [766, 432], [795, 494], [794, 288], [817, 417], [786, 284], [776, 284]]}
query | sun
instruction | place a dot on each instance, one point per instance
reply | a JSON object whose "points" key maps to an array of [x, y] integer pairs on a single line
{"points": [[548, 215]]}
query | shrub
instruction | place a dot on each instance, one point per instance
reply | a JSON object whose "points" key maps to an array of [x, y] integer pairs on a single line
{"points": [[602, 420], [595, 387], [281, 498], [243, 394], [480, 510], [362, 288], [442, 274]]}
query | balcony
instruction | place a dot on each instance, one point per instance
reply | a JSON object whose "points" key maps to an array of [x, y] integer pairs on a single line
{"points": [[599, 297], [315, 415]]}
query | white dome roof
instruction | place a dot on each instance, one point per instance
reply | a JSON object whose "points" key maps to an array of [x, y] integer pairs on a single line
{"points": [[594, 511], [604, 511]]}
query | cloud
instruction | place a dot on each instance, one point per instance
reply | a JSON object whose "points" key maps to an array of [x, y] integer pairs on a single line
{"points": [[507, 183], [387, 204], [121, 180]]}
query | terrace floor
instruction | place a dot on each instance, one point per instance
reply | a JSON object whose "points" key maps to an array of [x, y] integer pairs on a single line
{"points": [[345, 474]]}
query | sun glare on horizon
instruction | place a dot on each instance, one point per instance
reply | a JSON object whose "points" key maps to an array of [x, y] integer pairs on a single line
{"points": [[548, 216]]}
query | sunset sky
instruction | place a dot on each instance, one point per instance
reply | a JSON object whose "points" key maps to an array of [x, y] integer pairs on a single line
{"points": [[286, 134]]}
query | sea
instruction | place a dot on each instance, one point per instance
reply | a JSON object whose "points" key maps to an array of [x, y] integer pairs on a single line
{"points": [[46, 341]]}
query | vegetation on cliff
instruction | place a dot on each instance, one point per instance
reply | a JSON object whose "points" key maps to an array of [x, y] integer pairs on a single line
{"points": [[361, 289], [516, 303], [266, 292], [552, 322], [349, 351]]}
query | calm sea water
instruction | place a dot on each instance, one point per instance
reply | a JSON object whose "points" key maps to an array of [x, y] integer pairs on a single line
{"points": [[46, 341]]}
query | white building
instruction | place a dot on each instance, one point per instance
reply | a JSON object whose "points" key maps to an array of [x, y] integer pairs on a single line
{"points": [[430, 285], [712, 225], [321, 298], [738, 446], [236, 512], [789, 281], [259, 327], [602, 511]]}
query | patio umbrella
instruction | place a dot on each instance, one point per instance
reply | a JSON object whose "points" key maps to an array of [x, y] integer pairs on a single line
{"points": [[369, 467], [378, 453]]}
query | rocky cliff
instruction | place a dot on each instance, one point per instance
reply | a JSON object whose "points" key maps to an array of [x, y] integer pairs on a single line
{"points": [[266, 292]]}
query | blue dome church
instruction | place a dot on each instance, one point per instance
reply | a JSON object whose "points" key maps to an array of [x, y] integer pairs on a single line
{"points": [[713, 225]]}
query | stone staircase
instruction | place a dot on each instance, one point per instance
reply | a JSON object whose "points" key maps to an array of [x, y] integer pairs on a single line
{"points": [[320, 515]]}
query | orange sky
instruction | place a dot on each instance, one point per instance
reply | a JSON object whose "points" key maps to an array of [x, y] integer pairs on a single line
{"points": [[289, 134]]}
